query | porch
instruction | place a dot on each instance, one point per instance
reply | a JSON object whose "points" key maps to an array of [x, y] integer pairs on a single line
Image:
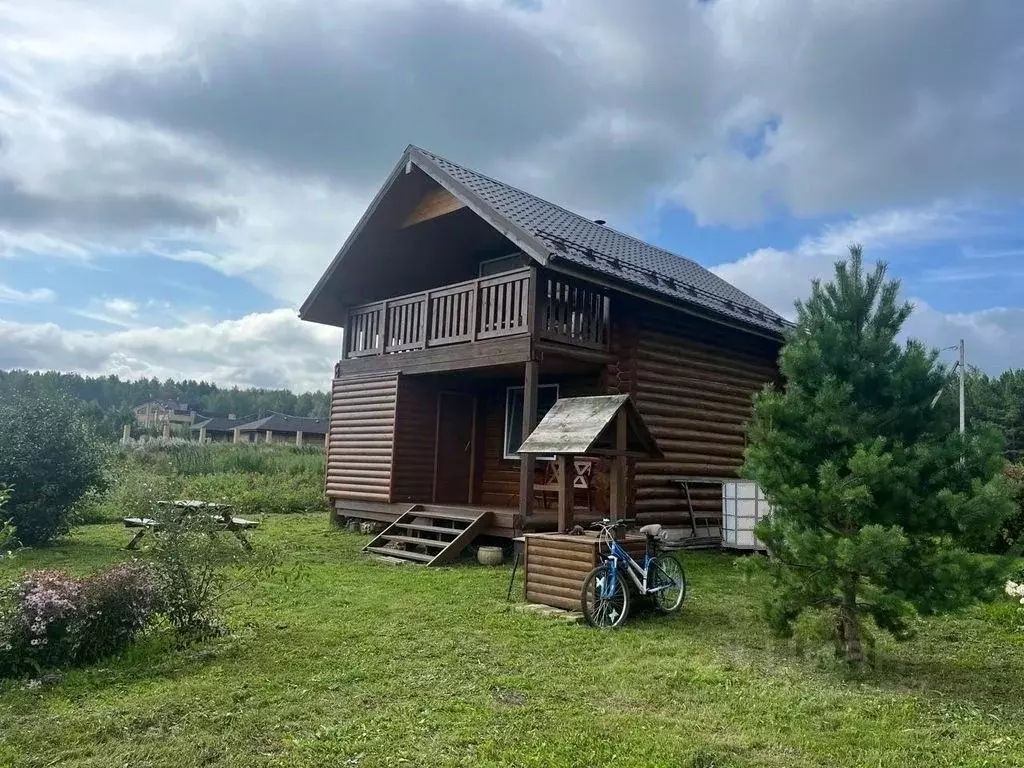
{"points": [[502, 522]]}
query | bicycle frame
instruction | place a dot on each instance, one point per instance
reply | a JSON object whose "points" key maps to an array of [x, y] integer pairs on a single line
{"points": [[621, 560]]}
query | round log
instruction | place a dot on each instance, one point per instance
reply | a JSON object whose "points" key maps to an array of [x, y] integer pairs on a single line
{"points": [[537, 580], [561, 573], [565, 603]]}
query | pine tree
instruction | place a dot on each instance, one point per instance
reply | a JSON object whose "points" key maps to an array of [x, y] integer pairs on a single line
{"points": [[878, 503]]}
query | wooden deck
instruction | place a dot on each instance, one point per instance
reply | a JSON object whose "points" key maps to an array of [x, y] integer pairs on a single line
{"points": [[502, 525]]}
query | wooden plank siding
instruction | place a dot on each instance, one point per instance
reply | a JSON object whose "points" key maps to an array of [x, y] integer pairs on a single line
{"points": [[361, 438]]}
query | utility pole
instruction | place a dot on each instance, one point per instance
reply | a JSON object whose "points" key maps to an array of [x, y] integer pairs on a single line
{"points": [[963, 378]]}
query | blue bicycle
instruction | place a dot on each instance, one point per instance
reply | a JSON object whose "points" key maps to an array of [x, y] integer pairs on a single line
{"points": [[605, 595]]}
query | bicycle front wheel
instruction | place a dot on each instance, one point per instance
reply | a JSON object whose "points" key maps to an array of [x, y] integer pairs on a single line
{"points": [[669, 583], [604, 598]]}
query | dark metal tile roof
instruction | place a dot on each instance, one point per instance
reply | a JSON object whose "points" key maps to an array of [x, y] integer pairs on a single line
{"points": [[594, 246], [279, 422], [218, 423]]}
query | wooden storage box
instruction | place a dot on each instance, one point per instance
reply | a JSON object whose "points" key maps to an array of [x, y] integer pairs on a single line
{"points": [[556, 564]]}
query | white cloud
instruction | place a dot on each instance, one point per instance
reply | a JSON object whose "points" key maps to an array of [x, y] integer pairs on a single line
{"points": [[778, 278], [120, 306], [271, 349], [249, 136], [34, 296]]}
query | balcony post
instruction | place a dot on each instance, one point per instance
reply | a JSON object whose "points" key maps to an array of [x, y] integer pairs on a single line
{"points": [[425, 321], [528, 463], [382, 345]]}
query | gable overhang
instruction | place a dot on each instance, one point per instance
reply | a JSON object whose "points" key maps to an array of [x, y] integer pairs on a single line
{"points": [[319, 304]]}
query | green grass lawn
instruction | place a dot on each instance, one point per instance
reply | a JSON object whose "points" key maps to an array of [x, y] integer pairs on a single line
{"points": [[348, 662]]}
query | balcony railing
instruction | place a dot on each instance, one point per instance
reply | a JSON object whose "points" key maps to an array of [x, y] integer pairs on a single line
{"points": [[485, 308]]}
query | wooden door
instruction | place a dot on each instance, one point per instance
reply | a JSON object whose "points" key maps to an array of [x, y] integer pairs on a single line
{"points": [[453, 460]]}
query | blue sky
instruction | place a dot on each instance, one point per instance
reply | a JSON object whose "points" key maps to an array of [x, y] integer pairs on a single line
{"points": [[173, 179]]}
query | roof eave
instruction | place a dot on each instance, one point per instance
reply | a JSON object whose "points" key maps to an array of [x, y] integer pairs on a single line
{"points": [[397, 171], [679, 304]]}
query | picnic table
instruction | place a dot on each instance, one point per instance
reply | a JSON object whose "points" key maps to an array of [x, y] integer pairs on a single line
{"points": [[218, 512]]}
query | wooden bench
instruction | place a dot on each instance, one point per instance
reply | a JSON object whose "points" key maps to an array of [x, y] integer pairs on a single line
{"points": [[219, 513]]}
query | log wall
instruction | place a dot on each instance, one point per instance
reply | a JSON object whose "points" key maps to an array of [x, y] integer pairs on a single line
{"points": [[693, 382], [361, 439], [498, 478], [556, 564]]}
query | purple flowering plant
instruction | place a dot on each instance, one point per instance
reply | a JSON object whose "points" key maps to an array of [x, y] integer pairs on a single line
{"points": [[53, 619]]}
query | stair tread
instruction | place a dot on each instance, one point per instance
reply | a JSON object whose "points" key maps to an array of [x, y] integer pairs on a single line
{"points": [[429, 528], [401, 554], [448, 513], [414, 540]]}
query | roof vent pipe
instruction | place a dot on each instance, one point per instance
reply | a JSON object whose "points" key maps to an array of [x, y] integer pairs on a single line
{"points": [[602, 222]]}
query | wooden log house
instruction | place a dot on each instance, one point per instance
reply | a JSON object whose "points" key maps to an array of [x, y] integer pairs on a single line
{"points": [[469, 307]]}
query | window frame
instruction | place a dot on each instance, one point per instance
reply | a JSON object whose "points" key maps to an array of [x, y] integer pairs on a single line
{"points": [[513, 255], [508, 414]]}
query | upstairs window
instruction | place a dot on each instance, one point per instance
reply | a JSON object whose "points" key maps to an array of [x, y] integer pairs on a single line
{"points": [[502, 264]]}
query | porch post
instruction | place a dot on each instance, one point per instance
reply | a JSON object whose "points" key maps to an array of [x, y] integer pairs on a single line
{"points": [[202, 434], [566, 474], [617, 483], [298, 438], [528, 463]]}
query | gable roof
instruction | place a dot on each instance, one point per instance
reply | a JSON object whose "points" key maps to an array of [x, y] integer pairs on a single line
{"points": [[557, 237], [280, 422], [586, 425]]}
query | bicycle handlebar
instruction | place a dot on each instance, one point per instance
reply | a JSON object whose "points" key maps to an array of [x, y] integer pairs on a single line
{"points": [[607, 524]]}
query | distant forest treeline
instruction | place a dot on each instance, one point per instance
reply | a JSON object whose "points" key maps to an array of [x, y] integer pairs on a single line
{"points": [[108, 400]]}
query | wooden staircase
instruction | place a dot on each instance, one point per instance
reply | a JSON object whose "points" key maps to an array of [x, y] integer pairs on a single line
{"points": [[429, 534]]}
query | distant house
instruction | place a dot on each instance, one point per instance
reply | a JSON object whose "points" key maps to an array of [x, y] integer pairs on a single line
{"points": [[281, 428], [217, 429], [160, 412]]}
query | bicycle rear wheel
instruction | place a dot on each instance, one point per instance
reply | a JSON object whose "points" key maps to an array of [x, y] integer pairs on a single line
{"points": [[604, 598], [669, 582]]}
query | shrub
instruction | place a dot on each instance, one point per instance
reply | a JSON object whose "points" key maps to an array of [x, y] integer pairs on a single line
{"points": [[49, 457], [130, 490], [51, 619], [190, 565], [8, 534], [119, 604], [1012, 533]]}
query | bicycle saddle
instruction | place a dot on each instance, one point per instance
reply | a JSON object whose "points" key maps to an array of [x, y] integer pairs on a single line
{"points": [[653, 530]]}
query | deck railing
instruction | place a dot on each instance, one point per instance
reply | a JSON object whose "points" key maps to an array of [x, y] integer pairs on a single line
{"points": [[484, 308]]}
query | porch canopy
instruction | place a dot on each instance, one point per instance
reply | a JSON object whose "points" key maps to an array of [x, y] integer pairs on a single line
{"points": [[605, 425]]}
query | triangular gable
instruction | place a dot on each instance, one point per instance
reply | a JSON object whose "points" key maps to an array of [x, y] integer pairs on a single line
{"points": [[319, 304], [587, 426]]}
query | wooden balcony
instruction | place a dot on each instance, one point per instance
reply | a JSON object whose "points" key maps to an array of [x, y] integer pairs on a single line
{"points": [[519, 303]]}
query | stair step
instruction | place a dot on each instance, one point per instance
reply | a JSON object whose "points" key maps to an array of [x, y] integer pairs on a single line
{"points": [[447, 513], [415, 540], [400, 553], [429, 528]]}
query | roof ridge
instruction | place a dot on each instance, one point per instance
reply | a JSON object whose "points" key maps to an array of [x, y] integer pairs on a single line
{"points": [[562, 208], [761, 308]]}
